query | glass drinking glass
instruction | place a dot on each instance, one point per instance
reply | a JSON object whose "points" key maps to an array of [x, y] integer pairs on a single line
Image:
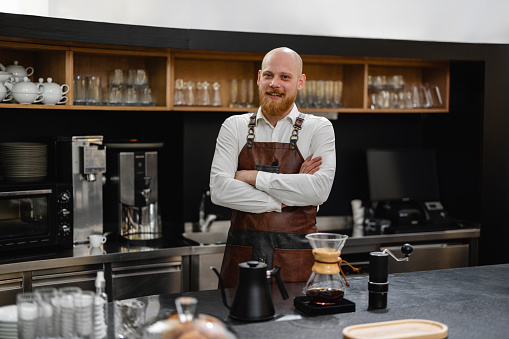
{"points": [[178, 94], [141, 78], [131, 96], [311, 94], [189, 93], [79, 90], [93, 91], [205, 94], [186, 308], [243, 93], [28, 315], [115, 95], [145, 96], [116, 77], [49, 311], [234, 93], [216, 94], [84, 310], [67, 321], [250, 93], [337, 96]]}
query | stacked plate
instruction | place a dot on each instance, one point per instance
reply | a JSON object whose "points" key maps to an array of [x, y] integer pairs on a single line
{"points": [[24, 161], [9, 322]]}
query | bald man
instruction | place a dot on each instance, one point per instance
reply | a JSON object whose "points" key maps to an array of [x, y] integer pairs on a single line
{"points": [[273, 168]]}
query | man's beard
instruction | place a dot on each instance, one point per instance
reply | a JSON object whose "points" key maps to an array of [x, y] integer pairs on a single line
{"points": [[273, 107]]}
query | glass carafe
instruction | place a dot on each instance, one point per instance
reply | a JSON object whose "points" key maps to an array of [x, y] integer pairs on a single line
{"points": [[325, 285]]}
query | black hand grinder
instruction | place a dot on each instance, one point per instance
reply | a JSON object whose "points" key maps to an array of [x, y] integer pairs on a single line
{"points": [[378, 285]]}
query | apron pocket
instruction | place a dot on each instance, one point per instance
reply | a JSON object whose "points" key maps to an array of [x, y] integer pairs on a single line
{"points": [[295, 264], [233, 256]]}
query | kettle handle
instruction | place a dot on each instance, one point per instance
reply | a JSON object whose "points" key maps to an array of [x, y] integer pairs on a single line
{"points": [[276, 273], [221, 286]]}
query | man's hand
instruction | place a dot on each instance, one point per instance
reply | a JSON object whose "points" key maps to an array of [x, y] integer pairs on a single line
{"points": [[247, 176], [310, 165]]}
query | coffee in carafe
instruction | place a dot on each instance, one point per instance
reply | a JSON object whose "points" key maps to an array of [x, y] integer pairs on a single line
{"points": [[325, 285]]}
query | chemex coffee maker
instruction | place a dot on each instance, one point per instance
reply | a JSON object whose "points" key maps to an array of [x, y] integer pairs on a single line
{"points": [[325, 288], [132, 192]]}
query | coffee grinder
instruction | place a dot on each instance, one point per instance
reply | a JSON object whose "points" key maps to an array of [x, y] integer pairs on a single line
{"points": [[133, 187]]}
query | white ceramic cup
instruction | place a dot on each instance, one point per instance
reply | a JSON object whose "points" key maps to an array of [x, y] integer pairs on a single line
{"points": [[96, 240]]}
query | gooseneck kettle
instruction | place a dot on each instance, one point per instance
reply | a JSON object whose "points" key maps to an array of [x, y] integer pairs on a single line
{"points": [[253, 297]]}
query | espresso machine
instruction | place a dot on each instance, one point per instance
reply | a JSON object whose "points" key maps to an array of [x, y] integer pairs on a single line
{"points": [[133, 187], [82, 162]]}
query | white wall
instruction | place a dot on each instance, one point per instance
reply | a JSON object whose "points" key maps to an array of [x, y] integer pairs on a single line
{"points": [[475, 21]]}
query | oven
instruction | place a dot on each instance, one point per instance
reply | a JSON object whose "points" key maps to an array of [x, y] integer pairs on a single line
{"points": [[36, 215]]}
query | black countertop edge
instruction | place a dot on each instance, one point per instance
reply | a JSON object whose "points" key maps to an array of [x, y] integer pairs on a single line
{"points": [[80, 31]]}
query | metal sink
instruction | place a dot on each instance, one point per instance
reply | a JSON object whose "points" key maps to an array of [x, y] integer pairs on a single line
{"points": [[207, 238]]}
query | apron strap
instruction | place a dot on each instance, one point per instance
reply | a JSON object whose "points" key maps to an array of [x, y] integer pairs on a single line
{"points": [[295, 133], [250, 133], [293, 138]]}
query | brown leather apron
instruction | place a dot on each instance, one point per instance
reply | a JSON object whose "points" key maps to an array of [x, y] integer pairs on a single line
{"points": [[276, 238]]}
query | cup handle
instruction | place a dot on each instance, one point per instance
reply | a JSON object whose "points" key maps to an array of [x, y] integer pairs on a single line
{"points": [[64, 91], [30, 71], [63, 100], [8, 97], [41, 88], [39, 98], [103, 240]]}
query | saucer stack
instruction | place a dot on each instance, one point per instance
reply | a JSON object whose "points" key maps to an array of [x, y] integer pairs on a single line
{"points": [[24, 161], [9, 322]]}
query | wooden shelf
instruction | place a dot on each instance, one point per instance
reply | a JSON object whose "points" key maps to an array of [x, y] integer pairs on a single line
{"points": [[164, 67]]}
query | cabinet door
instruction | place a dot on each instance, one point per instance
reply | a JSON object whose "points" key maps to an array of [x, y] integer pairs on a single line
{"points": [[431, 257], [136, 278], [10, 285], [82, 276]]}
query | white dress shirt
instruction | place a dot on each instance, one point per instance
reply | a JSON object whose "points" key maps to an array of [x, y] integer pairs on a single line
{"points": [[272, 189]]}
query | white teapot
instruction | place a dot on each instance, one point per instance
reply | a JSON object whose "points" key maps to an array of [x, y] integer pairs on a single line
{"points": [[18, 71], [53, 93], [5, 95], [25, 92], [4, 76]]}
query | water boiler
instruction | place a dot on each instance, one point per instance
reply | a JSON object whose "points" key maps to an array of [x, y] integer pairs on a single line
{"points": [[133, 186]]}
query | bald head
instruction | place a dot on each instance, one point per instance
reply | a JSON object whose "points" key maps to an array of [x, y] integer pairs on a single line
{"points": [[287, 53]]}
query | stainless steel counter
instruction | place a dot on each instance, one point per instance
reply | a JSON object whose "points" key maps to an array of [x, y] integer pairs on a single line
{"points": [[79, 265], [83, 254]]}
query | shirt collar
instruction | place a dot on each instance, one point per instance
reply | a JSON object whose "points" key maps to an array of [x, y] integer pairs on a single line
{"points": [[294, 113]]}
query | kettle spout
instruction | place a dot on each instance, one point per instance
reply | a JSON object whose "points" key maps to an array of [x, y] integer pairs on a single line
{"points": [[221, 286]]}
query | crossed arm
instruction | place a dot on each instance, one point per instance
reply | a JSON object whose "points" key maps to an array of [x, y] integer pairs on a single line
{"points": [[309, 166], [258, 192]]}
